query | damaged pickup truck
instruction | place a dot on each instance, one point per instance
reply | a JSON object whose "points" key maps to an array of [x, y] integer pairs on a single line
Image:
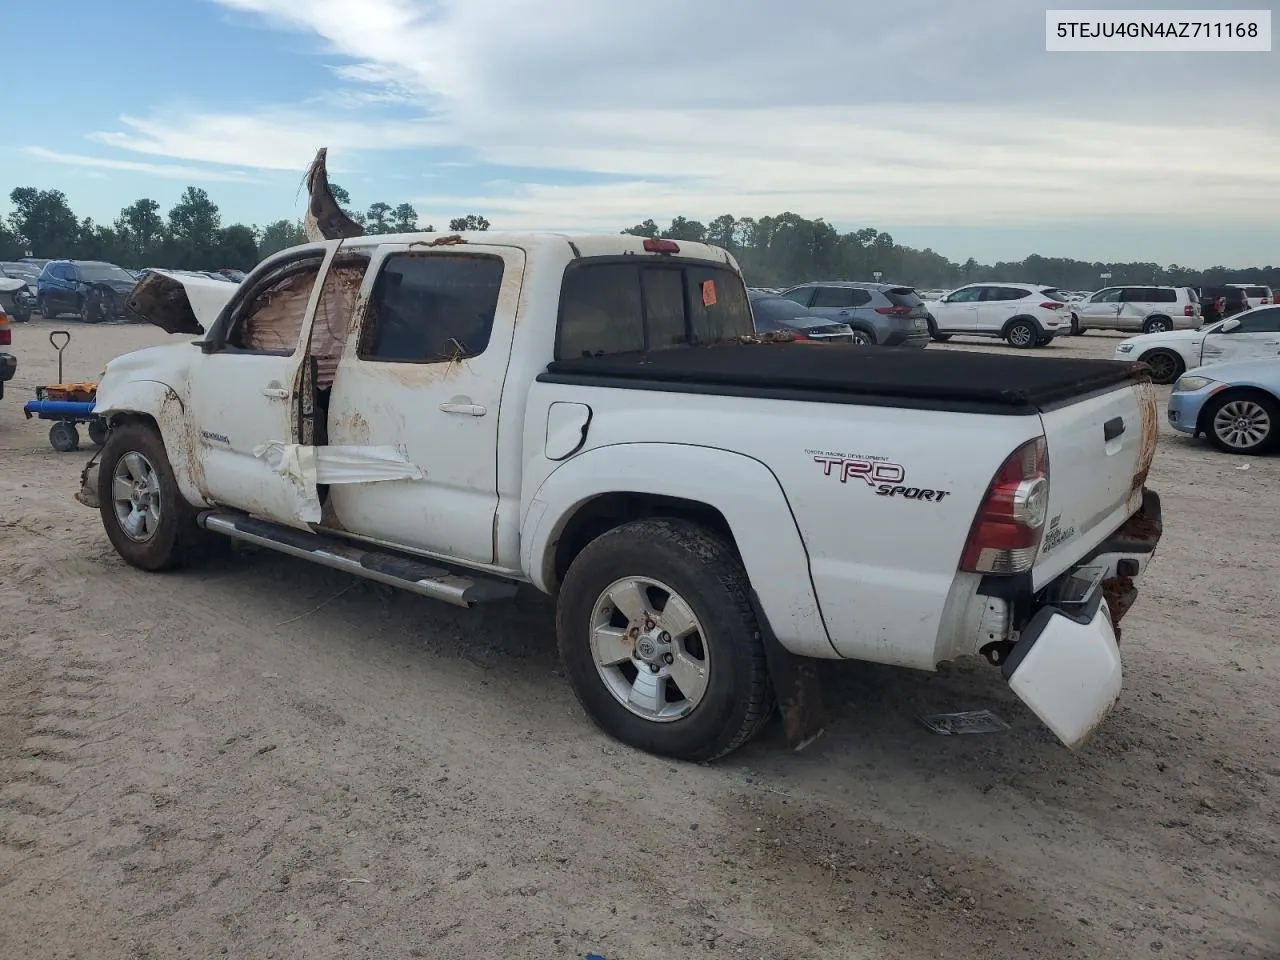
{"points": [[591, 415]]}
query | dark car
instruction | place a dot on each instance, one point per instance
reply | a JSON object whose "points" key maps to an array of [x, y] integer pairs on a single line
{"points": [[1218, 303], [878, 313], [95, 290], [775, 314]]}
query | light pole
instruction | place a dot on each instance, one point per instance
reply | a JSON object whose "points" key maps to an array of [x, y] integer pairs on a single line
{"points": [[877, 274]]}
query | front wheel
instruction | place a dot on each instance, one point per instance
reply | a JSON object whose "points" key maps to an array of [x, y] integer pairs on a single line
{"points": [[46, 311], [146, 518], [1243, 423], [89, 311], [1165, 365], [660, 642], [1022, 335], [1076, 329], [933, 332]]}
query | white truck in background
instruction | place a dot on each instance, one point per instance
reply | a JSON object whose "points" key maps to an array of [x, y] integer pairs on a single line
{"points": [[457, 415]]}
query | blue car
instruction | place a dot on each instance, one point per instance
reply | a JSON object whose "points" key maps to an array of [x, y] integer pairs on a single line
{"points": [[1236, 405]]}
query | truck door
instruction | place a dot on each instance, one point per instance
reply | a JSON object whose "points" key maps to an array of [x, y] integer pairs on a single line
{"points": [[245, 387], [424, 370]]}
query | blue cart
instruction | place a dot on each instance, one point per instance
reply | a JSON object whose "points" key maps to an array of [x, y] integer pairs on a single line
{"points": [[67, 404]]}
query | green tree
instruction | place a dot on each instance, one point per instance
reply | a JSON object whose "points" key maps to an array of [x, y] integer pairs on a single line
{"points": [[377, 220], [647, 229], [280, 235], [470, 222], [684, 229], [43, 221], [237, 248], [405, 219]]}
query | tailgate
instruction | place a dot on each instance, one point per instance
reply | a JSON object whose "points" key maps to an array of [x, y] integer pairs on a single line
{"points": [[1100, 449]]}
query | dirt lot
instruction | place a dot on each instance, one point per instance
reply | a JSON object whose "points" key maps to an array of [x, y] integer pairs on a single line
{"points": [[263, 759]]}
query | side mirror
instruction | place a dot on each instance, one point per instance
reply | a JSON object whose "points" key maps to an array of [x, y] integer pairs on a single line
{"points": [[1229, 326]]}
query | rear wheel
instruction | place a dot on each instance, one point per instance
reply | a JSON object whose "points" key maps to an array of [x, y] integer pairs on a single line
{"points": [[1157, 325], [90, 311], [1165, 365], [1022, 334], [1242, 423], [660, 642], [47, 311], [862, 338], [146, 518]]}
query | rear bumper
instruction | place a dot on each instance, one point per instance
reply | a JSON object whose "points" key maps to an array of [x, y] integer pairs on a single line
{"points": [[1065, 665], [907, 338]]}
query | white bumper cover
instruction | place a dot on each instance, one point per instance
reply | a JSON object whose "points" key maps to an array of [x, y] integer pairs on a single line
{"points": [[1066, 668]]}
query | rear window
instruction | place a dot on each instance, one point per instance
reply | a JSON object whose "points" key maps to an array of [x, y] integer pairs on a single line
{"points": [[904, 297], [1050, 293], [614, 307], [1257, 292]]}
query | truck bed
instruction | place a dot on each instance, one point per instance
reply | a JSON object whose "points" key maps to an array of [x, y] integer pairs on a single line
{"points": [[848, 373]]}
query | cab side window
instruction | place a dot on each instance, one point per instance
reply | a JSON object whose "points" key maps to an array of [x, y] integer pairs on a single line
{"points": [[269, 318], [432, 308], [335, 313]]}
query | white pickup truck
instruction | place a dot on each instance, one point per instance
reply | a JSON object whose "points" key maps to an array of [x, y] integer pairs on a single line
{"points": [[459, 415]]}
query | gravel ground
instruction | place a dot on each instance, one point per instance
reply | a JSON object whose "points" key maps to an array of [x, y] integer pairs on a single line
{"points": [[264, 759]]}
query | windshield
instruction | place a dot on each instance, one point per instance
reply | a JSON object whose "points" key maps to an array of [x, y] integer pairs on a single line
{"points": [[103, 271]]}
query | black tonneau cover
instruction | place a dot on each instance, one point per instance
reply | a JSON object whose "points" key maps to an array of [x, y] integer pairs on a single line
{"points": [[849, 373]]}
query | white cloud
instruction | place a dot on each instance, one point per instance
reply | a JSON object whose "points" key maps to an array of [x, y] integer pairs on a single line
{"points": [[170, 171], [919, 112]]}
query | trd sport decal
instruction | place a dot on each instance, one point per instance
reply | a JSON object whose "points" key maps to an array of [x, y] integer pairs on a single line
{"points": [[887, 479]]}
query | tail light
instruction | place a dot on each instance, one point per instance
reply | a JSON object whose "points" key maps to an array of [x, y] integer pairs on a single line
{"points": [[1005, 536], [6, 332], [894, 311], [1052, 305], [661, 246], [1220, 304], [1189, 310]]}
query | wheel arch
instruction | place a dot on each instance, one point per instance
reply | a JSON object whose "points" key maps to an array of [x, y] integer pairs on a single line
{"points": [[159, 406], [1229, 393], [735, 495]]}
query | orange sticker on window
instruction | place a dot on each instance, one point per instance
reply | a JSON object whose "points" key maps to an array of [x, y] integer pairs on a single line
{"points": [[708, 293]]}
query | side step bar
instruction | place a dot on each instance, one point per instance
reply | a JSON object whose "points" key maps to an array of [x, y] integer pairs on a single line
{"points": [[416, 576]]}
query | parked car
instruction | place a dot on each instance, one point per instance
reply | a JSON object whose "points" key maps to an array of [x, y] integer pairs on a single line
{"points": [[877, 313], [94, 290], [1218, 303], [709, 518], [1146, 309], [20, 301], [1248, 336], [1256, 294], [774, 314], [1024, 314], [8, 362], [1236, 405]]}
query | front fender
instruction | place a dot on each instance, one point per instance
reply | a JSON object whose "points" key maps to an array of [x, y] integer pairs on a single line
{"points": [[159, 402], [743, 490]]}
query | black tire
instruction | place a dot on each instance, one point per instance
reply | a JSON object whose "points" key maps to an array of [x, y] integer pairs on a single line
{"points": [[47, 311], [87, 312], [933, 332], [1248, 401], [1076, 329], [1165, 365], [177, 539], [1044, 341], [64, 437], [1022, 334], [706, 573], [862, 337], [98, 431], [1157, 325]]}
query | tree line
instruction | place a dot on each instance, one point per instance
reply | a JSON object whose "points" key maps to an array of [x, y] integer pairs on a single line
{"points": [[788, 249], [773, 251], [190, 236]]}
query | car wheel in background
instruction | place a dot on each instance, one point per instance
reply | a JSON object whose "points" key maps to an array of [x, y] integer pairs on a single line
{"points": [[933, 332], [1023, 335], [1242, 422], [1165, 365], [862, 338], [1157, 325], [1076, 329], [46, 311]]}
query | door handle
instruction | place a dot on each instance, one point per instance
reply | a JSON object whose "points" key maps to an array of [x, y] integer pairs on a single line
{"points": [[464, 409], [276, 393]]}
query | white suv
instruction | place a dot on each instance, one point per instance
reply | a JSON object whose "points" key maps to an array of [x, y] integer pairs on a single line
{"points": [[1257, 295], [1025, 314], [1147, 309]]}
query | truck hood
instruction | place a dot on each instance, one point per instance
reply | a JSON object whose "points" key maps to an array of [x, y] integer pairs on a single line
{"points": [[180, 304], [1168, 338], [1263, 371]]}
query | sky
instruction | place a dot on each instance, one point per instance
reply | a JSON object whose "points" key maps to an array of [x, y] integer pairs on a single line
{"points": [[946, 124]]}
